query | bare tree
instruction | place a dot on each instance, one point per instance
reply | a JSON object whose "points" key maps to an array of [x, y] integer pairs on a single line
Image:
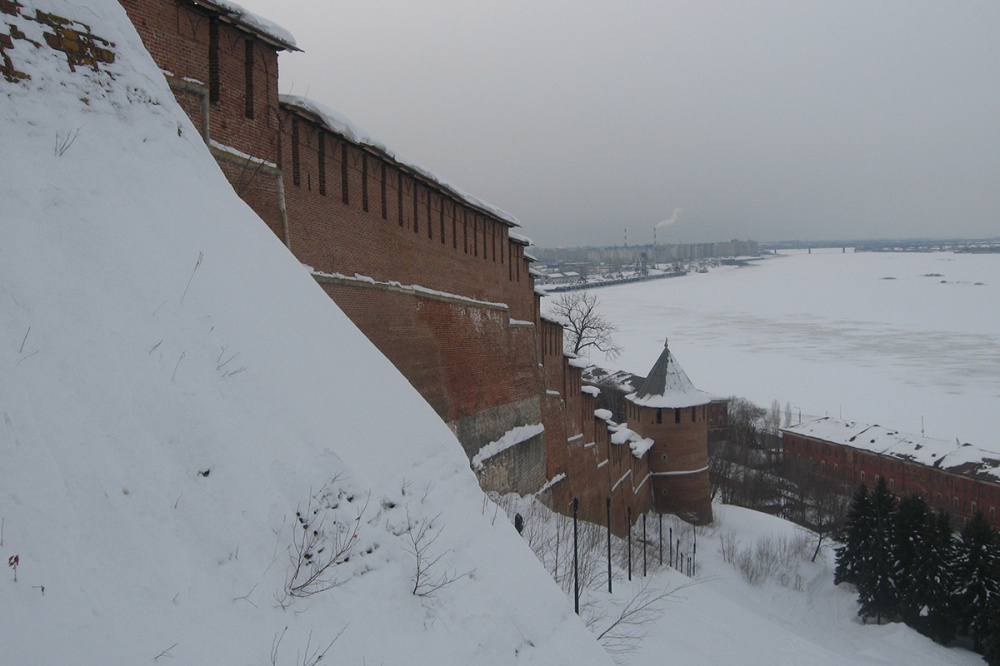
{"points": [[774, 419], [584, 326], [746, 423], [631, 626]]}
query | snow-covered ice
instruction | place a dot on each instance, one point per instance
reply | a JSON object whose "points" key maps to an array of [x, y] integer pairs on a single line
{"points": [[905, 340]]}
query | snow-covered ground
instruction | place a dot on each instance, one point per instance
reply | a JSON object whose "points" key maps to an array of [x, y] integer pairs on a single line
{"points": [[188, 424], [794, 615], [895, 339]]}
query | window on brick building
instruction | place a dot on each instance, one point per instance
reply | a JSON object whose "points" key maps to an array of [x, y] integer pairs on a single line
{"points": [[416, 209], [364, 181], [296, 173], [862, 476], [384, 212], [345, 195], [659, 416], [694, 413], [993, 515], [677, 415], [214, 78], [248, 77], [399, 197], [430, 218], [321, 154]]}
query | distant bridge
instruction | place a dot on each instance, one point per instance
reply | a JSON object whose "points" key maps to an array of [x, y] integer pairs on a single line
{"points": [[970, 246]]}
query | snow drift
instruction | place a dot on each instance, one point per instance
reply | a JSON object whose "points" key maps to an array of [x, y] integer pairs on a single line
{"points": [[189, 428]]}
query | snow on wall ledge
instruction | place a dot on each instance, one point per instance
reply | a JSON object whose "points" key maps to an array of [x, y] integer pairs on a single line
{"points": [[512, 437], [187, 419]]}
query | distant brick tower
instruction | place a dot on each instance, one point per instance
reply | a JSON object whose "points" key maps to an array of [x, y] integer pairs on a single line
{"points": [[669, 410]]}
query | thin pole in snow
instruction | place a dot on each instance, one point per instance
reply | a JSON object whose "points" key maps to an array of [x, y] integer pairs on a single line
{"points": [[643, 545], [576, 572], [609, 545], [630, 544]]}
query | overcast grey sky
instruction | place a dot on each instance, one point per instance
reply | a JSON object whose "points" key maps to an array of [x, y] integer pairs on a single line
{"points": [[763, 120]]}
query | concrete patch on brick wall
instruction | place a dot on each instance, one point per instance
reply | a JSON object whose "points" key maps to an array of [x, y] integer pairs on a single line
{"points": [[518, 469], [489, 425]]}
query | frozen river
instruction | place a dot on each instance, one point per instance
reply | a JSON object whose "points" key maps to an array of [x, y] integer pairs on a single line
{"points": [[903, 340]]}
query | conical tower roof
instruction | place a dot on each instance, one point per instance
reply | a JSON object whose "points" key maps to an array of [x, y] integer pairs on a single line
{"points": [[667, 386]]}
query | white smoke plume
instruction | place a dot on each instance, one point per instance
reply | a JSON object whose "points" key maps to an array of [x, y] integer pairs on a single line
{"points": [[670, 220]]}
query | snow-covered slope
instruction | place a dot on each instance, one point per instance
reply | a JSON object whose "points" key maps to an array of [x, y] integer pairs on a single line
{"points": [[174, 388]]}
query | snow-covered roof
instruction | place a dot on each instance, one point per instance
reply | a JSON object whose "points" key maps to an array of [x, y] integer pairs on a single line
{"points": [[603, 414], [554, 319], [340, 124], [620, 379], [667, 386], [951, 456], [519, 238], [268, 30], [590, 390]]}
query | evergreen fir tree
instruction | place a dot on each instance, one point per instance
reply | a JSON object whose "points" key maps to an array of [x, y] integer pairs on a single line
{"points": [[857, 536], [911, 545], [976, 577], [991, 640], [937, 575], [876, 586]]}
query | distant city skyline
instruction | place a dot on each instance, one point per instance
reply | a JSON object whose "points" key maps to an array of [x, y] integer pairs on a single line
{"points": [[708, 121]]}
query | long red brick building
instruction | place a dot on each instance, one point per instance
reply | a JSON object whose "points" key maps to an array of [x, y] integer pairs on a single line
{"points": [[958, 478], [437, 279]]}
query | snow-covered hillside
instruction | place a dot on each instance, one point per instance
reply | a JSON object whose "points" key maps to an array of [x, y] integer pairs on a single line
{"points": [[183, 412], [750, 594]]}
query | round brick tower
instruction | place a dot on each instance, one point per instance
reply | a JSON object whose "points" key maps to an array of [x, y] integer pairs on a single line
{"points": [[673, 413]]}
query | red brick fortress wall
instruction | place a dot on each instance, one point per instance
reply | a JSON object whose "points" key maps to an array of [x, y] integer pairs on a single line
{"points": [[436, 280]]}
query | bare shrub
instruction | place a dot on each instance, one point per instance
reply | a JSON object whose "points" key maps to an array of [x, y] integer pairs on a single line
{"points": [[316, 550], [728, 546], [627, 631], [428, 577], [310, 656], [770, 557]]}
